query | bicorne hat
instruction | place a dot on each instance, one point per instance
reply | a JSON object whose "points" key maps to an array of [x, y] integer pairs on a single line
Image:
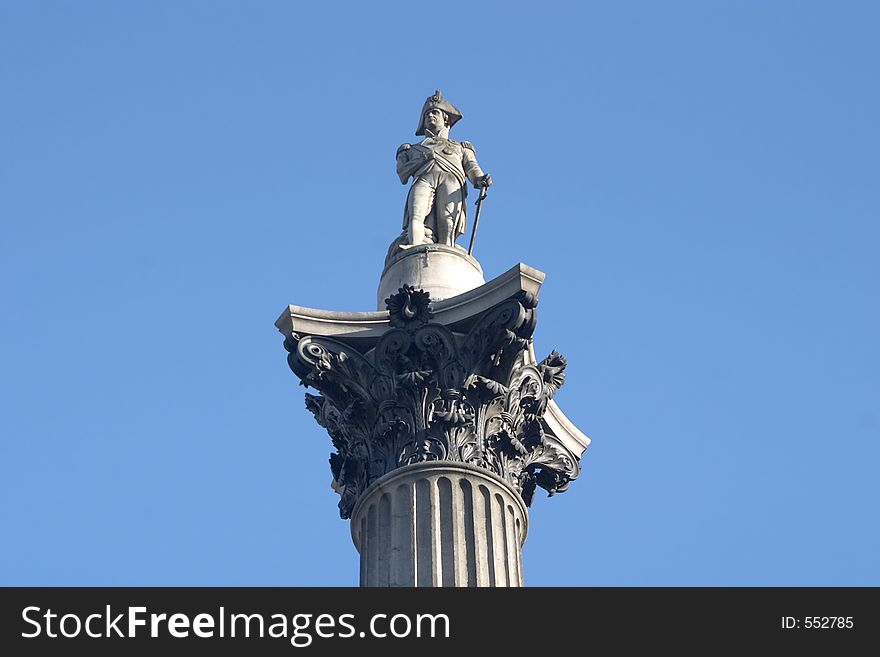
{"points": [[439, 102]]}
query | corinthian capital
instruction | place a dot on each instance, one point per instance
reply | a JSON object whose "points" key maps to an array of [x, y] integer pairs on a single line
{"points": [[471, 393]]}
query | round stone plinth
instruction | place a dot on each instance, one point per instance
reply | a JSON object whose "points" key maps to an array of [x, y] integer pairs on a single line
{"points": [[443, 271], [440, 523]]}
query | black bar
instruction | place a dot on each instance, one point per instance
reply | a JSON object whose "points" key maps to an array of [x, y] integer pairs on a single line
{"points": [[526, 620]]}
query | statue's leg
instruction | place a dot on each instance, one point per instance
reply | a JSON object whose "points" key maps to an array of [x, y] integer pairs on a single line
{"points": [[448, 206], [419, 201]]}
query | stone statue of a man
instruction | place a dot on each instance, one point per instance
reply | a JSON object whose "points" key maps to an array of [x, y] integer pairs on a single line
{"points": [[438, 166]]}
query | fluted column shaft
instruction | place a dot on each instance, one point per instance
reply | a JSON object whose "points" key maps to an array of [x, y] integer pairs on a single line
{"points": [[440, 523]]}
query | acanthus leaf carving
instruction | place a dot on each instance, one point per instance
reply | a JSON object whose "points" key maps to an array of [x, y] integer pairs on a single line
{"points": [[424, 393]]}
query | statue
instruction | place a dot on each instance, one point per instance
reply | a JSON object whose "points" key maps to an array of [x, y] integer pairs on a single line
{"points": [[439, 166]]}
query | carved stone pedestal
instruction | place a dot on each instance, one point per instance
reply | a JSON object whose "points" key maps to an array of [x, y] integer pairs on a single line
{"points": [[440, 524], [441, 271]]}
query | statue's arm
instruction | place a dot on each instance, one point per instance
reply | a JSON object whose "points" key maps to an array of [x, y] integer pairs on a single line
{"points": [[406, 163], [471, 168]]}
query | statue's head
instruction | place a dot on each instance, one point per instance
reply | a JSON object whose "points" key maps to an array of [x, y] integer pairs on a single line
{"points": [[437, 111], [435, 119]]}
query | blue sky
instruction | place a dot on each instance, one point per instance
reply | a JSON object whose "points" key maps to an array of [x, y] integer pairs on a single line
{"points": [[698, 180]]}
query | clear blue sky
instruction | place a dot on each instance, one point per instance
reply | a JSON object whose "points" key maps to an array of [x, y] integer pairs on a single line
{"points": [[698, 180]]}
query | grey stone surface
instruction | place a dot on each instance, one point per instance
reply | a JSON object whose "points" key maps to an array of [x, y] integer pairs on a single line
{"points": [[440, 524], [443, 271], [363, 329], [439, 168]]}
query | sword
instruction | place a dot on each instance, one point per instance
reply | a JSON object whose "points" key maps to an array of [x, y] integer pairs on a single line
{"points": [[483, 192]]}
